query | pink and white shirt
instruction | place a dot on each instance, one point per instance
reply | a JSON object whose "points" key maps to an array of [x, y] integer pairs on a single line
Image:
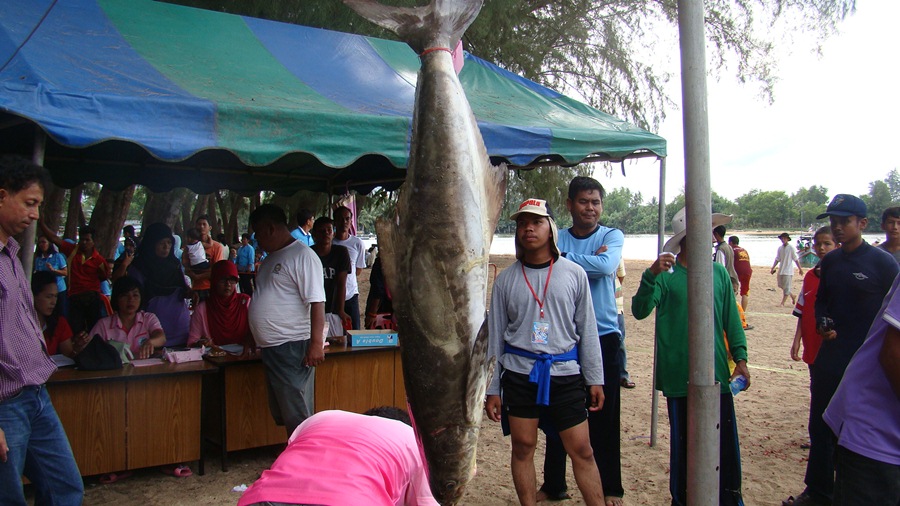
{"points": [[110, 329]]}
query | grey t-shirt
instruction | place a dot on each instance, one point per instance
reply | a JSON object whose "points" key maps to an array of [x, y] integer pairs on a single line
{"points": [[568, 310]]}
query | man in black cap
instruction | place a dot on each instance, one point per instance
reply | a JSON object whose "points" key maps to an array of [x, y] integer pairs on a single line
{"points": [[853, 282]]}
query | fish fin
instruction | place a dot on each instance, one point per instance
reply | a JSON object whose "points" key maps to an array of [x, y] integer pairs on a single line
{"points": [[386, 229], [439, 24], [495, 178], [480, 370]]}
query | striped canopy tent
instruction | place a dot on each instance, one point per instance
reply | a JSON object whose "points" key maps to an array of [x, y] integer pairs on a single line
{"points": [[137, 91]]}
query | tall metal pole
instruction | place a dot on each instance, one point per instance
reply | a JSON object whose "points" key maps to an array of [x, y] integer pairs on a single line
{"points": [[703, 393], [660, 234]]}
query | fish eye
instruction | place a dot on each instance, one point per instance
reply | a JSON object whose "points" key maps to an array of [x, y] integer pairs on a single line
{"points": [[449, 485]]}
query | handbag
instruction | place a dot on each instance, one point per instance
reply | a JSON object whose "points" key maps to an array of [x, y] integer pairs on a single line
{"points": [[98, 355]]}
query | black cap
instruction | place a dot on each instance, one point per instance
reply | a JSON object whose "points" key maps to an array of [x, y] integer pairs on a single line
{"points": [[845, 205]]}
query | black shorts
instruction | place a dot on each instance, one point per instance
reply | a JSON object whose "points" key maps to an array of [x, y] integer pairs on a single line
{"points": [[568, 399]]}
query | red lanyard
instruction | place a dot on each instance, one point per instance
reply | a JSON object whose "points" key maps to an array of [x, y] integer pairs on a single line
{"points": [[546, 284]]}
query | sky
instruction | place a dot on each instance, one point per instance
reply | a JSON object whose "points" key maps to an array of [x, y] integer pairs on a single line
{"points": [[834, 121]]}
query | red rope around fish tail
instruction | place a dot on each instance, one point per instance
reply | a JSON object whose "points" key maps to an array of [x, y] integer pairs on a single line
{"points": [[433, 49]]}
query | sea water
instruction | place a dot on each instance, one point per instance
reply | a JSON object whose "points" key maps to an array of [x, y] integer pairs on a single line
{"points": [[761, 248]]}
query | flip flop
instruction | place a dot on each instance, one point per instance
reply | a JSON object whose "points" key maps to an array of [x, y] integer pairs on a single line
{"points": [[110, 478], [179, 471]]}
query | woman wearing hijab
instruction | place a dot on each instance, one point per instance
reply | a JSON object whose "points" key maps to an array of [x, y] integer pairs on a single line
{"points": [[222, 318], [154, 265]]}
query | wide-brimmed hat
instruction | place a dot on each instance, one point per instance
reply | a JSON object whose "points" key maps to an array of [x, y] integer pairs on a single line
{"points": [[679, 227], [540, 208], [785, 235]]}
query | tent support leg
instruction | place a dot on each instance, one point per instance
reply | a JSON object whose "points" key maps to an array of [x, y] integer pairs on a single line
{"points": [[26, 253], [660, 235]]}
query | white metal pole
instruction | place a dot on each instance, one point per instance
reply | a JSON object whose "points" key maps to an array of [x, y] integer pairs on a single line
{"points": [[703, 393]]}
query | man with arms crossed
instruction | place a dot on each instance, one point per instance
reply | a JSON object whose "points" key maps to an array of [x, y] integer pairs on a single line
{"points": [[287, 317], [32, 440], [539, 336]]}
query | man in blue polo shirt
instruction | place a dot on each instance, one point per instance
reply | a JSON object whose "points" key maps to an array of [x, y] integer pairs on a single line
{"points": [[597, 250], [853, 283]]}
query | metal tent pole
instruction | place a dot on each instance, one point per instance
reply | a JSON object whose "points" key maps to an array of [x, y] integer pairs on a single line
{"points": [[660, 236], [703, 393], [26, 253]]}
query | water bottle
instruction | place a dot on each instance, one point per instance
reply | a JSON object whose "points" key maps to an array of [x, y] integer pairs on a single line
{"points": [[738, 384]]}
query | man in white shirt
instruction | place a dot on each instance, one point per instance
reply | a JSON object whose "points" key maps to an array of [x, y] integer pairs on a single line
{"points": [[343, 220], [786, 257], [287, 316]]}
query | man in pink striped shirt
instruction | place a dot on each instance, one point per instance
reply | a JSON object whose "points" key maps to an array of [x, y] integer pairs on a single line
{"points": [[32, 440]]}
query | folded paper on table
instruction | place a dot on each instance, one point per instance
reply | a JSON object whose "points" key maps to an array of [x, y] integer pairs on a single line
{"points": [[62, 360]]}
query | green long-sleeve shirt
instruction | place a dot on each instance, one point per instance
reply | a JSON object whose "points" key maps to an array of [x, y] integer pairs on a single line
{"points": [[667, 292]]}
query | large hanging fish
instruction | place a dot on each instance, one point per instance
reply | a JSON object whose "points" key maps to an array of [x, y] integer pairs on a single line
{"points": [[436, 258]]}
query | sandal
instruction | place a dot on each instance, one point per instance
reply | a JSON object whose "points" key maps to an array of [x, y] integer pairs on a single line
{"points": [[179, 471], [110, 478], [626, 383]]}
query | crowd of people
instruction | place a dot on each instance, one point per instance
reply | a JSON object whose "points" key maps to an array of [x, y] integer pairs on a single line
{"points": [[553, 376], [161, 296], [560, 351]]}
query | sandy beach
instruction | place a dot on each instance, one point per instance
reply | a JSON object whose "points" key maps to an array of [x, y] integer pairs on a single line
{"points": [[772, 419]]}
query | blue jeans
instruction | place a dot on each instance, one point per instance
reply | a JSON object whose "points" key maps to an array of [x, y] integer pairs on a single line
{"points": [[39, 450], [351, 307], [291, 384]]}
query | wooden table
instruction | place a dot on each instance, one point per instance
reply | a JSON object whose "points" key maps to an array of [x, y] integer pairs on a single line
{"points": [[132, 417], [236, 403]]}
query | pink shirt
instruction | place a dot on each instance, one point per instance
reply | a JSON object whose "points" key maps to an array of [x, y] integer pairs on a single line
{"points": [[23, 355], [199, 324], [336, 457], [110, 329]]}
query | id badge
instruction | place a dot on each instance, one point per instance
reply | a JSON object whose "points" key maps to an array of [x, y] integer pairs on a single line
{"points": [[540, 333]]}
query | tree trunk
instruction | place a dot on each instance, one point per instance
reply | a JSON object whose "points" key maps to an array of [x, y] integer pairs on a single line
{"points": [[166, 207], [230, 206], [74, 214], [52, 212], [108, 217]]}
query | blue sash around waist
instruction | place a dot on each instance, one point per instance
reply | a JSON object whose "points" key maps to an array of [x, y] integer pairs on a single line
{"points": [[540, 372]]}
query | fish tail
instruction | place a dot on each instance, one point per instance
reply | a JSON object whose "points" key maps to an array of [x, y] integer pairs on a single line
{"points": [[438, 24]]}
